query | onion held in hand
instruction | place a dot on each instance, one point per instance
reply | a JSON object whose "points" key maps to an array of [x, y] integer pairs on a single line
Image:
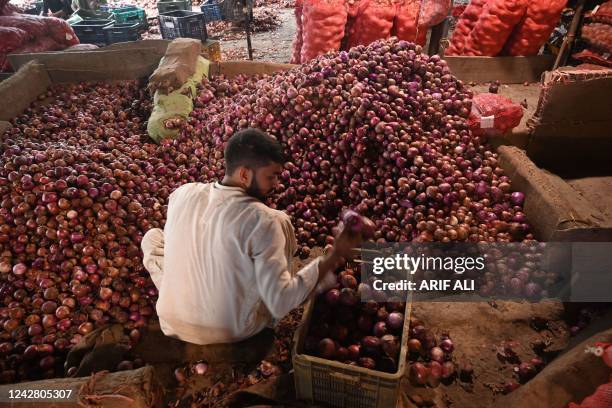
{"points": [[358, 224]]}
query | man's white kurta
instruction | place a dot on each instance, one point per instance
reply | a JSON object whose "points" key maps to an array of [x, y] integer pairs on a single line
{"points": [[225, 273]]}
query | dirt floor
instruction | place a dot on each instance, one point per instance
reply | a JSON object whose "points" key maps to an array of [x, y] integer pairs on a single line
{"points": [[272, 46], [597, 191]]}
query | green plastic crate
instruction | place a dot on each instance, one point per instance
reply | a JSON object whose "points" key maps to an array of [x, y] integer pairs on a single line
{"points": [[83, 15], [168, 6], [130, 14]]}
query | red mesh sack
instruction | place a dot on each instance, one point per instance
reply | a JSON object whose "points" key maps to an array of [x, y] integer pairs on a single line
{"points": [[11, 38], [534, 29], [593, 57], [34, 27], [493, 115], [599, 36], [603, 13], [405, 24], [296, 56], [323, 23], [464, 27], [6, 8], [60, 31], [494, 26], [42, 44], [373, 22], [602, 398], [433, 12]]}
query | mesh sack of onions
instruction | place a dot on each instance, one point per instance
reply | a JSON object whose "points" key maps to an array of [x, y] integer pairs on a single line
{"points": [[405, 23], [373, 21], [323, 23], [603, 13], [494, 115]]}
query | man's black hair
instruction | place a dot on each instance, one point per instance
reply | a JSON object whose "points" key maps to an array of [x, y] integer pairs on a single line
{"points": [[252, 148]]}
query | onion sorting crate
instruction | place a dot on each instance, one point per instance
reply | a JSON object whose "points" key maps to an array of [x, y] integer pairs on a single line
{"points": [[211, 10], [333, 383], [91, 31], [182, 24], [122, 32], [168, 6]]}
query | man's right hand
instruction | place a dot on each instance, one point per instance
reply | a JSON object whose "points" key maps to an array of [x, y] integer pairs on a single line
{"points": [[340, 252]]}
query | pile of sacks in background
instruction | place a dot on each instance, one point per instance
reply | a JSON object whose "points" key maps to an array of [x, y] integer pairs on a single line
{"points": [[598, 35], [505, 27], [332, 25], [24, 33]]}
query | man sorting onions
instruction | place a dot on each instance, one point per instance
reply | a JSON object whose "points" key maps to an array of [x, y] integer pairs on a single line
{"points": [[222, 264]]}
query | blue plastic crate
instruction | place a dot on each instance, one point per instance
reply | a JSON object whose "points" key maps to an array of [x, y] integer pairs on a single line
{"points": [[211, 10], [91, 31], [122, 32]]}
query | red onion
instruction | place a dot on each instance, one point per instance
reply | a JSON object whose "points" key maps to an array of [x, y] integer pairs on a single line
{"points": [[180, 376], [327, 348], [435, 373], [448, 369], [348, 297], [342, 354], [370, 345], [332, 297], [354, 351], [517, 198], [436, 354], [380, 329], [525, 371], [367, 362], [199, 368], [390, 345], [447, 345], [395, 320], [510, 386], [419, 373]]}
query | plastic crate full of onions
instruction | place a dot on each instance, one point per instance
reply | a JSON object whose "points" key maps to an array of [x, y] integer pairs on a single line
{"points": [[349, 353]]}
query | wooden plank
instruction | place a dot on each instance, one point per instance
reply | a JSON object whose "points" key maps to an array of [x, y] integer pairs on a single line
{"points": [[131, 61], [233, 68], [508, 70], [157, 44]]}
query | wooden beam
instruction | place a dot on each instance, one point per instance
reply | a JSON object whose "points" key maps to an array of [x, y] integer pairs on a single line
{"points": [[508, 70]]}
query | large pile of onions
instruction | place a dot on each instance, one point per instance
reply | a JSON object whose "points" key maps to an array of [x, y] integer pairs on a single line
{"points": [[378, 129], [381, 129], [78, 189]]}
